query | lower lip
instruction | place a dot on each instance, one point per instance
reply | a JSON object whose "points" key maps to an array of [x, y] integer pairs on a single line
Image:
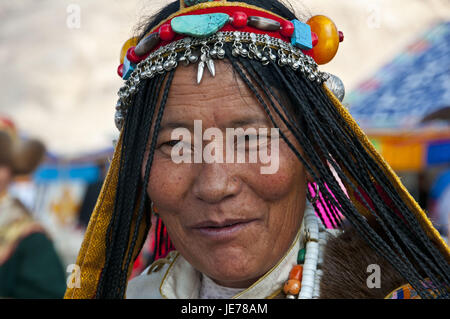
{"points": [[223, 233]]}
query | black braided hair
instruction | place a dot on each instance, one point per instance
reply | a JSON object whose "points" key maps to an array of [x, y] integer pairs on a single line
{"points": [[328, 146]]}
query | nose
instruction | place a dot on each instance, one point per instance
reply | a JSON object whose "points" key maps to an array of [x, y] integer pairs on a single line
{"points": [[216, 182]]}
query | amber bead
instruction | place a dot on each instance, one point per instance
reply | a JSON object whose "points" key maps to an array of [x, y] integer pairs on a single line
{"points": [[296, 272], [328, 35], [292, 287]]}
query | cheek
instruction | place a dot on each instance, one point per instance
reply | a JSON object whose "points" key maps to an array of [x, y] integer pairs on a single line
{"points": [[288, 179], [168, 182]]}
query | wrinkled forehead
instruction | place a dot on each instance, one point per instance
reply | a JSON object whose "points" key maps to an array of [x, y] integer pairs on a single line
{"points": [[221, 101]]}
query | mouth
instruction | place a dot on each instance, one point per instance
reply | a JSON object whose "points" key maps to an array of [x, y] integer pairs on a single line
{"points": [[224, 230]]}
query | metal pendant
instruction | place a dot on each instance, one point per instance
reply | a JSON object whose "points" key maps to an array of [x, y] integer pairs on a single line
{"points": [[263, 23], [205, 59], [211, 68], [200, 70], [119, 119]]}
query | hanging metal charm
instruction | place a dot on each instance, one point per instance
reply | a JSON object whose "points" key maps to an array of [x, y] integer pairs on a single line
{"points": [[205, 59]]}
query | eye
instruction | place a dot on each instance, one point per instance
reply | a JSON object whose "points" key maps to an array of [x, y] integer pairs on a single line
{"points": [[171, 143], [166, 147], [247, 141]]}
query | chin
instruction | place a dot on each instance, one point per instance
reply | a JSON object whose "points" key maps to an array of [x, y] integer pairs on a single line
{"points": [[230, 267]]}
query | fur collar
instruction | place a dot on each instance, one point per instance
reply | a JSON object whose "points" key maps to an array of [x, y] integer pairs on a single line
{"points": [[345, 274]]}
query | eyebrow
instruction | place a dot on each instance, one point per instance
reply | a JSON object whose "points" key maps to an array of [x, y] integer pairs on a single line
{"points": [[233, 124], [175, 125]]}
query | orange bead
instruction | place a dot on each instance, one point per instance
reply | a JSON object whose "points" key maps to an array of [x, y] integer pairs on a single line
{"points": [[296, 272], [292, 287], [328, 35]]}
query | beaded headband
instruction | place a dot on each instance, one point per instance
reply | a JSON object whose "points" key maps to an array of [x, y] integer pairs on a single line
{"points": [[199, 30]]}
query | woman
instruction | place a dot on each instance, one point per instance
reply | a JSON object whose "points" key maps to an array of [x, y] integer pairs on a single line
{"points": [[29, 264], [222, 150]]}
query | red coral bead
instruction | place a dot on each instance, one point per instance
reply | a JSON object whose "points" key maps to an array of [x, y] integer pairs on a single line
{"points": [[287, 29], [341, 36], [314, 38], [132, 56], [308, 52], [166, 33], [120, 70], [239, 19]]}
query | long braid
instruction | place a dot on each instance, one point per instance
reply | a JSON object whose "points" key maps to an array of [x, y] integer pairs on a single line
{"points": [[410, 275], [119, 228], [376, 198], [111, 258], [376, 195], [144, 196], [394, 220]]}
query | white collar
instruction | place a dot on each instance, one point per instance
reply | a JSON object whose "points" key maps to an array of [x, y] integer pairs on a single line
{"points": [[210, 290]]}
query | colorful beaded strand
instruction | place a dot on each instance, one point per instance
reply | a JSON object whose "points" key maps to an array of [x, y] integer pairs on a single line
{"points": [[304, 278]]}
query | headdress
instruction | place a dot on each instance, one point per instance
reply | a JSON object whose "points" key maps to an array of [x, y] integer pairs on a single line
{"points": [[196, 34], [21, 155]]}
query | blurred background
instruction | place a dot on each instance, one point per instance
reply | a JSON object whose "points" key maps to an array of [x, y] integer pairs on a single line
{"points": [[59, 82]]}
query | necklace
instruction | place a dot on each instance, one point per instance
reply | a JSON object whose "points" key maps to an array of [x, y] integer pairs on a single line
{"points": [[304, 278]]}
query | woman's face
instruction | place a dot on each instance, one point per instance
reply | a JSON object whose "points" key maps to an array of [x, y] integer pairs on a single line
{"points": [[230, 221]]}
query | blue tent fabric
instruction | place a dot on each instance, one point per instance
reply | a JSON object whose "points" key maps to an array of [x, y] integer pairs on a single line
{"points": [[88, 173], [440, 185], [415, 84]]}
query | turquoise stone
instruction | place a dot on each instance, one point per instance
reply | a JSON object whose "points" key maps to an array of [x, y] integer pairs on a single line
{"points": [[199, 26], [128, 68], [302, 35]]}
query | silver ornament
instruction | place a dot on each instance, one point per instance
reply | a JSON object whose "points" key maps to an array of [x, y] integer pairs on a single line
{"points": [[336, 86], [119, 119]]}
